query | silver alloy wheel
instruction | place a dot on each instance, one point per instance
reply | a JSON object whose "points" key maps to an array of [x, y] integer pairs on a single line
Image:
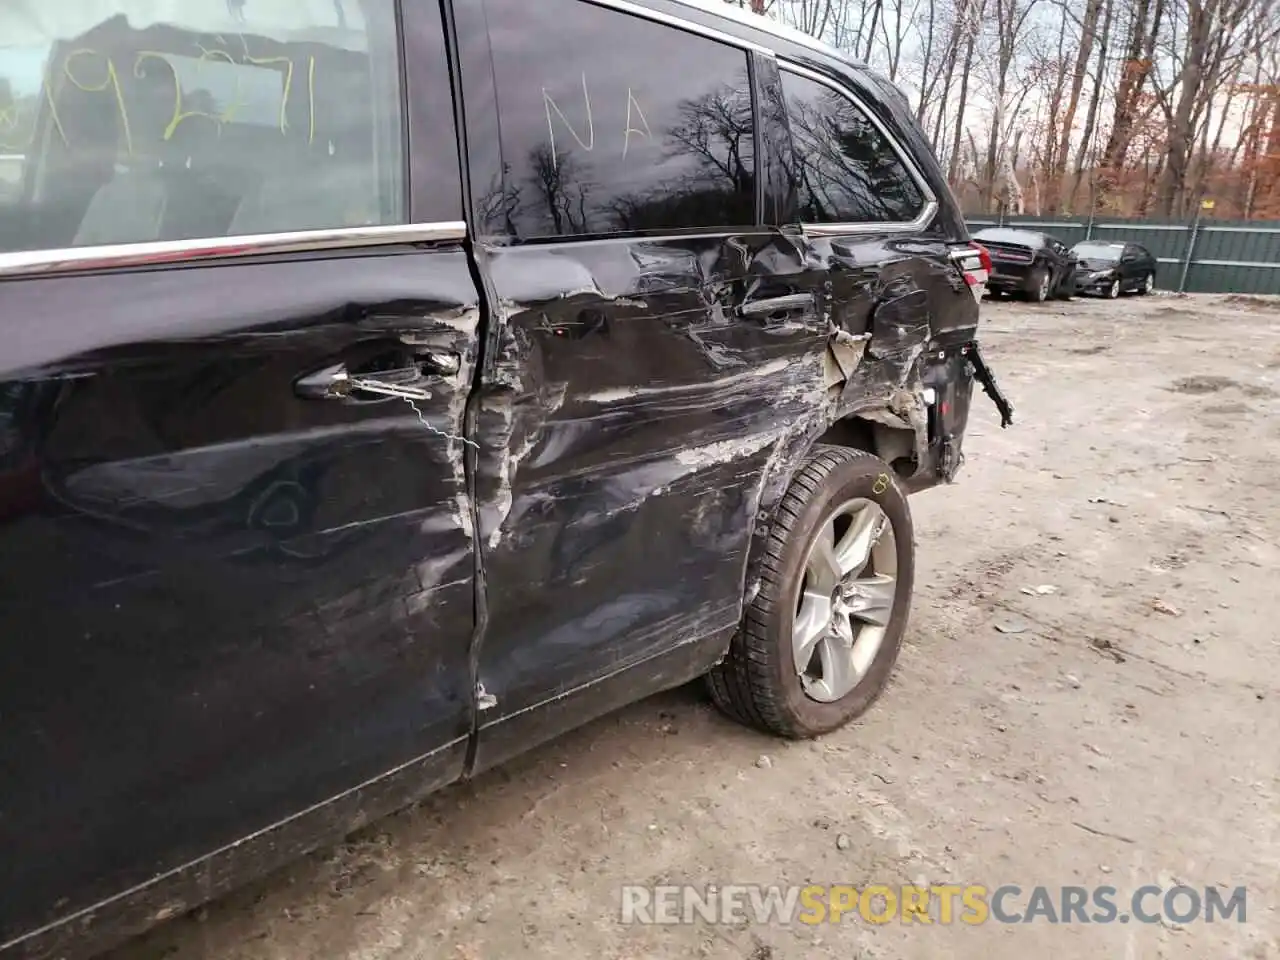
{"points": [[1149, 284], [845, 599], [1113, 291], [1044, 286]]}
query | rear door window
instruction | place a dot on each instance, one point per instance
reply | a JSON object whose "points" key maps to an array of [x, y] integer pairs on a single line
{"points": [[613, 123], [142, 121], [846, 169]]}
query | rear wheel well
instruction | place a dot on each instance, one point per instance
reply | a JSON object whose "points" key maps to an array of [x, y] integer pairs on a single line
{"points": [[895, 446]]}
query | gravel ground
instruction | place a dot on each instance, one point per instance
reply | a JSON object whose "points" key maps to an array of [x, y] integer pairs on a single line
{"points": [[1120, 725]]}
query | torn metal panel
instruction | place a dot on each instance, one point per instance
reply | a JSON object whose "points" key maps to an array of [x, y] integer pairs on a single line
{"points": [[637, 432], [844, 353], [899, 316], [622, 459]]}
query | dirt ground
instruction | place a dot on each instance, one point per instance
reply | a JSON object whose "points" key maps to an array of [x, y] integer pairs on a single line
{"points": [[1122, 728]]}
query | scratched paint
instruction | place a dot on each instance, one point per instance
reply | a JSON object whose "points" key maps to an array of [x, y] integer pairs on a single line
{"points": [[200, 542], [293, 603]]}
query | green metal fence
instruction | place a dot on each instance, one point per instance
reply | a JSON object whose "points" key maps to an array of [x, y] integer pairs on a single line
{"points": [[1207, 256]]}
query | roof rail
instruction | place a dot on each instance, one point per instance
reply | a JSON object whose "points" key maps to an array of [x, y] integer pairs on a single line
{"points": [[731, 11]]}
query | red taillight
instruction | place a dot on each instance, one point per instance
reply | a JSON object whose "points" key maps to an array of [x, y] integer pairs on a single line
{"points": [[984, 255]]}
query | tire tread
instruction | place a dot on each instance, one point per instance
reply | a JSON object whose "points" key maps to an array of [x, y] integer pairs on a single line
{"points": [[741, 685]]}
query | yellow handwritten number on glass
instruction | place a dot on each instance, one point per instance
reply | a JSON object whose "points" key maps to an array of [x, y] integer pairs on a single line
{"points": [[112, 83]]}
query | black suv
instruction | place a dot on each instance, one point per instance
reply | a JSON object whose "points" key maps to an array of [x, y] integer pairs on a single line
{"points": [[387, 387]]}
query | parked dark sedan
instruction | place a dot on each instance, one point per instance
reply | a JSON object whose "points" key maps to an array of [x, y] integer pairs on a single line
{"points": [[1110, 269], [1035, 264]]}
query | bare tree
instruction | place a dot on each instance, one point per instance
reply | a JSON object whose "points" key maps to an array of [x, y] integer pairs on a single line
{"points": [[1149, 104], [971, 17]]}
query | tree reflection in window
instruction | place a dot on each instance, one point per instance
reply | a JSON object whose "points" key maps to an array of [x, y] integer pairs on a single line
{"points": [[846, 170], [715, 137], [613, 123], [711, 143]]}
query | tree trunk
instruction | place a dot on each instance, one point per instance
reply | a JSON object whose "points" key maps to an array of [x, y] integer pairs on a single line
{"points": [[1086, 155], [949, 75], [1135, 70], [1089, 25], [965, 72], [1049, 161], [1173, 179], [927, 84]]}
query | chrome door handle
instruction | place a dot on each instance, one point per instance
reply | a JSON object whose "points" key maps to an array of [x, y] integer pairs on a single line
{"points": [[771, 305], [337, 383], [385, 389]]}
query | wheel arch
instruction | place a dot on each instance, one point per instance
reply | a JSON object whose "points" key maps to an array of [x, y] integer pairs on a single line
{"points": [[875, 430], [896, 446]]}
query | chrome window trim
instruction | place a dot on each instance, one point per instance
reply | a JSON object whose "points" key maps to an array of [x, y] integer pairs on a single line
{"points": [[738, 15], [78, 259], [669, 20], [927, 212]]}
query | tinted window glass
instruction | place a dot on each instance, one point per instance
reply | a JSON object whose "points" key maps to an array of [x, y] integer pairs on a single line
{"points": [[1099, 251], [846, 169], [611, 123], [164, 120]]}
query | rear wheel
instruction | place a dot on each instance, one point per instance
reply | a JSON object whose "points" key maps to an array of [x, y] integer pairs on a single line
{"points": [[1148, 284], [1040, 285], [821, 636]]}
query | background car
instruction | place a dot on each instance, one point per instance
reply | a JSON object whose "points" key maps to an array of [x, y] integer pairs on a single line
{"points": [[1035, 264], [1111, 268]]}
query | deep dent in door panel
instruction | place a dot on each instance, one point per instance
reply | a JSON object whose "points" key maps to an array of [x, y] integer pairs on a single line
{"points": [[625, 385], [633, 415]]}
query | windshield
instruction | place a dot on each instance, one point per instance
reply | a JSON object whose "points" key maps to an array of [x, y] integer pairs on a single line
{"points": [[1099, 251], [1003, 235]]}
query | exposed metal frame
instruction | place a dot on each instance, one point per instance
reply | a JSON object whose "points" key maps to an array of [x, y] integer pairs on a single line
{"points": [[930, 208], [81, 259]]}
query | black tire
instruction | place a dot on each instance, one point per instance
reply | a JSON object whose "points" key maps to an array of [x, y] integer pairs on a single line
{"points": [[1039, 286], [757, 683], [1113, 290], [1148, 284]]}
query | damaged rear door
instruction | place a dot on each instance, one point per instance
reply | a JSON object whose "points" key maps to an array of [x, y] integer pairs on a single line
{"points": [[641, 364], [882, 251]]}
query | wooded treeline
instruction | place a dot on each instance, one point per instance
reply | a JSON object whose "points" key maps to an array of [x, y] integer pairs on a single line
{"points": [[1131, 107]]}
